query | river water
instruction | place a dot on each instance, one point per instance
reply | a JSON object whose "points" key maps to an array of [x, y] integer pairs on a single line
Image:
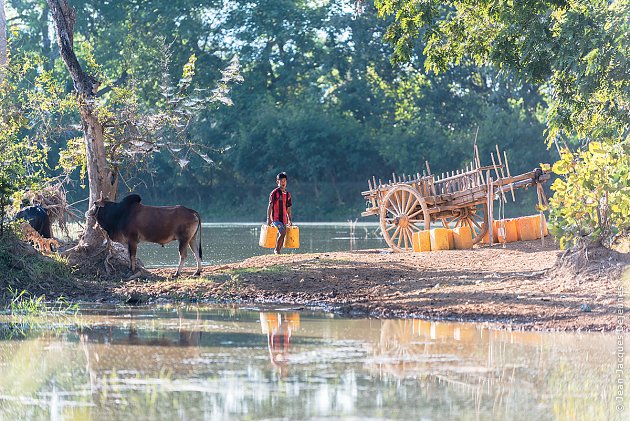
{"points": [[232, 242], [247, 363]]}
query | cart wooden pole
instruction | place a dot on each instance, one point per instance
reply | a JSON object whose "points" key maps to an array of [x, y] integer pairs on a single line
{"points": [[490, 207]]}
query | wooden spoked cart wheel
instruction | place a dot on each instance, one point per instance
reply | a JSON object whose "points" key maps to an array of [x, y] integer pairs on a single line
{"points": [[475, 217], [402, 212]]}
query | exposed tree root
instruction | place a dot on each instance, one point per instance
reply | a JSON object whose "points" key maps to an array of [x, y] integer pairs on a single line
{"points": [[108, 260], [590, 262]]}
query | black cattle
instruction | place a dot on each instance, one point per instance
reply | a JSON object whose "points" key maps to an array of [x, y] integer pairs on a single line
{"points": [[37, 217], [129, 222]]}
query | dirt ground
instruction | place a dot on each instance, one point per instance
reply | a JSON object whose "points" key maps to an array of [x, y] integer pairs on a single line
{"points": [[516, 287]]}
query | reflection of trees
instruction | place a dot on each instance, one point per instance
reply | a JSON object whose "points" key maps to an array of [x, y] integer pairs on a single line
{"points": [[279, 328]]}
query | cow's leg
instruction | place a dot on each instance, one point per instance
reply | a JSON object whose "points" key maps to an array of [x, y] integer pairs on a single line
{"points": [[182, 256], [133, 247], [193, 244]]}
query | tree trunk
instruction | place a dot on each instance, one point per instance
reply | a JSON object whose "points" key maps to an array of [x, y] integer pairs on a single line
{"points": [[47, 51], [101, 177], [3, 42]]}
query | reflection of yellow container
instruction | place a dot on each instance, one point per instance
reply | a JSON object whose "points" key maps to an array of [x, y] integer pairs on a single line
{"points": [[421, 241], [462, 238], [292, 240], [269, 322], [294, 320], [525, 228], [439, 239], [442, 330], [268, 235]]}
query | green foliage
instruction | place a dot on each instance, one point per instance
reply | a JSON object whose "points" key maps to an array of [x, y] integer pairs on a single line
{"points": [[24, 303], [576, 52], [320, 99], [22, 157], [592, 199]]}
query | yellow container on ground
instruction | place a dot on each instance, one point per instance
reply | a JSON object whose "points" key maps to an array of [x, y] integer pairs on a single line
{"points": [[495, 238], [421, 241], [536, 222], [511, 231], [462, 238], [451, 240], [292, 239], [268, 235], [526, 229], [439, 239]]}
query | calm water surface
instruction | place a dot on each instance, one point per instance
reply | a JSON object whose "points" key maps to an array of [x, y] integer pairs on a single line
{"points": [[226, 243], [222, 363]]}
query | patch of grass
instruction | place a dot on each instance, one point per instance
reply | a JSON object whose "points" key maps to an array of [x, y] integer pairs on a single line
{"points": [[29, 313], [24, 303], [25, 268], [275, 269]]}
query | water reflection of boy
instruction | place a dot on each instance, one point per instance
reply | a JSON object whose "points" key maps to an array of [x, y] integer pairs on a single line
{"points": [[279, 328]]}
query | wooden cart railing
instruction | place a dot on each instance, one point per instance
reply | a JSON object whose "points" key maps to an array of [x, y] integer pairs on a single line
{"points": [[465, 197]]}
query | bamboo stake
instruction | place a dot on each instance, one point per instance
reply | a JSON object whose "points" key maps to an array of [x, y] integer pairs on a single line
{"points": [[502, 173], [507, 168], [428, 168], [542, 216], [490, 209], [496, 170]]}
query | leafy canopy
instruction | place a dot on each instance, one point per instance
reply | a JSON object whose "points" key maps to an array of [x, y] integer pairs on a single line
{"points": [[576, 51]]}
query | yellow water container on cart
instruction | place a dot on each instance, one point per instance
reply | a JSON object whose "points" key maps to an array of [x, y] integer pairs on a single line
{"points": [[268, 235], [439, 239], [421, 241], [462, 238], [292, 239]]}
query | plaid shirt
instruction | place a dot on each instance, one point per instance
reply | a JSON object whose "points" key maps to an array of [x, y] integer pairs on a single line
{"points": [[280, 201]]}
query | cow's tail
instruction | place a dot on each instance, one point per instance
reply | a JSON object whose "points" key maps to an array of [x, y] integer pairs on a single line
{"points": [[199, 234]]}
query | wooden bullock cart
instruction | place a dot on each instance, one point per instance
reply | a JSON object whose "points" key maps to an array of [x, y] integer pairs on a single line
{"points": [[465, 197]]}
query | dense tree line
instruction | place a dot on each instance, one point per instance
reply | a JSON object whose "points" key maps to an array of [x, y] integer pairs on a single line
{"points": [[320, 99]]}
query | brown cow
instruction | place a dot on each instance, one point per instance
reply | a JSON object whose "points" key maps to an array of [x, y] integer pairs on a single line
{"points": [[130, 222]]}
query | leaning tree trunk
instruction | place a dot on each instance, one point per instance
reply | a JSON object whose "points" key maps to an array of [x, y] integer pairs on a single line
{"points": [[101, 177], [3, 41]]}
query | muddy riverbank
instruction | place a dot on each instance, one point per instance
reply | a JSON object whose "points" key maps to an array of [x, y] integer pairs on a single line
{"points": [[519, 286]]}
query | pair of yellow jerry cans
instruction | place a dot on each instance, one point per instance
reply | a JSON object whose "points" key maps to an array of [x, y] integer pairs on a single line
{"points": [[269, 233]]}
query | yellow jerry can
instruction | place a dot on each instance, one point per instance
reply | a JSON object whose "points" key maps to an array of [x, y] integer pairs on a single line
{"points": [[525, 227], [462, 237], [536, 222], [507, 230], [268, 235], [439, 239], [421, 241], [451, 239], [292, 239]]}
